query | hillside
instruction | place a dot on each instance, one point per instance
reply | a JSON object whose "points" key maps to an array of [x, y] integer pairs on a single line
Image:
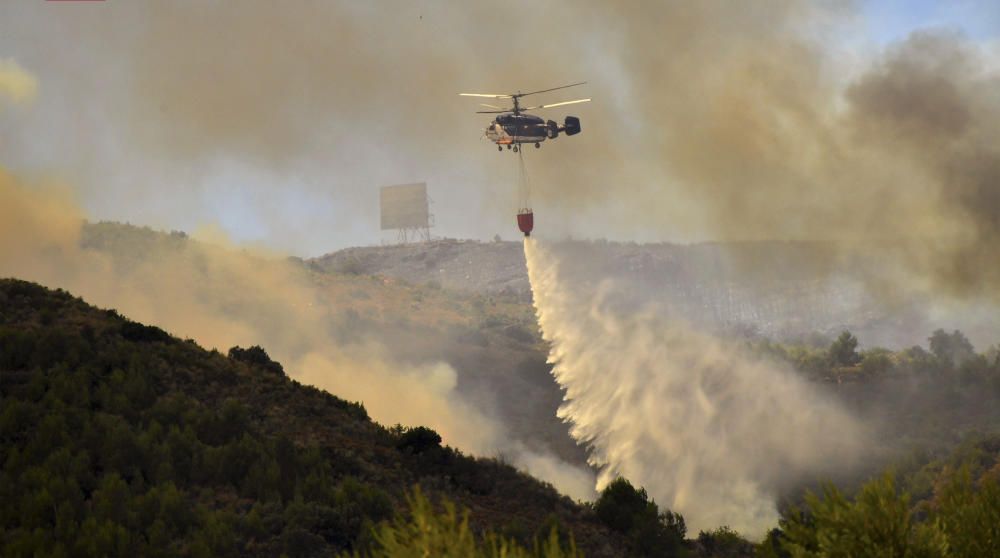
{"points": [[491, 341], [493, 344], [120, 439], [121, 401]]}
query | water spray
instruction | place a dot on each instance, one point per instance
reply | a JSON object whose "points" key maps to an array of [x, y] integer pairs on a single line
{"points": [[709, 431]]}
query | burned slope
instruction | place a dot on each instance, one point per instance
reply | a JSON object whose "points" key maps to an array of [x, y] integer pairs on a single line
{"points": [[781, 289], [119, 439], [464, 266]]}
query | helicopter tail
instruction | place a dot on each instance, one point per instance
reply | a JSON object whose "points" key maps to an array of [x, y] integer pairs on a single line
{"points": [[572, 126]]}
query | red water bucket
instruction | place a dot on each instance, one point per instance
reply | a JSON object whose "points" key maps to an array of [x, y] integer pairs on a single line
{"points": [[526, 221]]}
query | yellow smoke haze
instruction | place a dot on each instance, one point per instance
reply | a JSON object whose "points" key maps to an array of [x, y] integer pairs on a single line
{"points": [[222, 296], [34, 222], [16, 84]]}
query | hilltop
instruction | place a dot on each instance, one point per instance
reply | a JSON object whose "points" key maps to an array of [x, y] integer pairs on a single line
{"points": [[459, 265], [779, 289]]}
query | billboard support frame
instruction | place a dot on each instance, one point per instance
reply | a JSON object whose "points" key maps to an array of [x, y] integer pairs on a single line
{"points": [[405, 208]]}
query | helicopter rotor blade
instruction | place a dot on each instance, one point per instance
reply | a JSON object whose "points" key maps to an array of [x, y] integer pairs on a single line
{"points": [[558, 104], [485, 95], [491, 111], [491, 106], [547, 90]]}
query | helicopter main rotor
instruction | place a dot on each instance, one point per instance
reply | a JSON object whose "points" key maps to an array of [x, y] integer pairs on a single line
{"points": [[514, 129], [515, 98]]}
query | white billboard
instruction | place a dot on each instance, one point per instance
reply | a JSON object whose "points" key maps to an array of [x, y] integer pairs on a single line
{"points": [[405, 206]]}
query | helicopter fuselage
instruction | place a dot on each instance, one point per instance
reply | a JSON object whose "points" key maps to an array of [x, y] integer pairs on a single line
{"points": [[514, 126], [511, 128]]}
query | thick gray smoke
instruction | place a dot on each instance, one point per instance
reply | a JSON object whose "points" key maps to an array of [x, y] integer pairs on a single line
{"points": [[764, 132], [706, 430]]}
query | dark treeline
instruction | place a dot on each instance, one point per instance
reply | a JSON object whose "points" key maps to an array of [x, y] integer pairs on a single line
{"points": [[921, 396]]}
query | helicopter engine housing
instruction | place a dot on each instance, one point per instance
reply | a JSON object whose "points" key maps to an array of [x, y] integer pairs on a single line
{"points": [[552, 129]]}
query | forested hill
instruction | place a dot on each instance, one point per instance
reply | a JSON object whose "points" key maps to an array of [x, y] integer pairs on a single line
{"points": [[121, 440]]}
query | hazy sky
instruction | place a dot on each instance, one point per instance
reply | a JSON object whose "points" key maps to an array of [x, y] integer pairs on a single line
{"points": [[890, 20], [278, 123]]}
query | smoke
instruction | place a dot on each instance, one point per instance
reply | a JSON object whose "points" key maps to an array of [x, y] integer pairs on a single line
{"points": [[221, 296], [301, 112], [718, 121], [760, 129], [17, 85], [708, 431], [929, 106]]}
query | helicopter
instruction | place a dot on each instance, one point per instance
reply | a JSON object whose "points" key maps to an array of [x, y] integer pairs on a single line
{"points": [[514, 127]]}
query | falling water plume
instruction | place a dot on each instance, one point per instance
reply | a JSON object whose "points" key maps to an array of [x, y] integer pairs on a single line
{"points": [[708, 431]]}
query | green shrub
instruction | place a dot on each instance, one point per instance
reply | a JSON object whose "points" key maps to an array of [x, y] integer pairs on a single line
{"points": [[876, 362], [257, 356], [423, 532], [878, 522], [134, 331], [418, 439], [844, 351], [969, 518], [724, 542], [629, 511]]}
